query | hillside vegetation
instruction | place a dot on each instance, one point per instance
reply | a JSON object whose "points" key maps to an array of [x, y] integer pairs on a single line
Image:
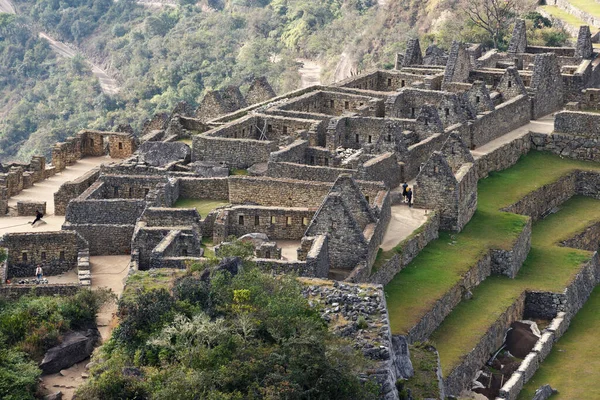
{"points": [[162, 56]]}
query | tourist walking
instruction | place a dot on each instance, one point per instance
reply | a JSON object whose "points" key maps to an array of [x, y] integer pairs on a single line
{"points": [[39, 273], [38, 216], [404, 186], [409, 196]]}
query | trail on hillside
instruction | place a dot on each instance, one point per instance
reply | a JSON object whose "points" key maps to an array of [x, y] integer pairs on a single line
{"points": [[344, 67], [310, 73], [108, 84]]}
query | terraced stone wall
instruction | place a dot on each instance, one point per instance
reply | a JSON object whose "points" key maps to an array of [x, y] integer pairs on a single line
{"points": [[406, 251], [460, 377]]}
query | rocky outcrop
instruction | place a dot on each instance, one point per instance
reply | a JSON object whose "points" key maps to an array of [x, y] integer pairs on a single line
{"points": [[75, 347]]}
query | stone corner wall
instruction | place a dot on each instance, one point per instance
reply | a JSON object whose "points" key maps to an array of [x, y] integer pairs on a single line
{"points": [[509, 262], [407, 251]]}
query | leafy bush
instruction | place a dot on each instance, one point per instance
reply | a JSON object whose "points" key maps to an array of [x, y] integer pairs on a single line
{"points": [[236, 337], [31, 325]]}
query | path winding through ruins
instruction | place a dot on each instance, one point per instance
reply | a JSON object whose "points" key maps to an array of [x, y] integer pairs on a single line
{"points": [[107, 271], [109, 85]]}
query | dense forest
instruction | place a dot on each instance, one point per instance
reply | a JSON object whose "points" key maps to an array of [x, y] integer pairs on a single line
{"points": [[160, 56]]}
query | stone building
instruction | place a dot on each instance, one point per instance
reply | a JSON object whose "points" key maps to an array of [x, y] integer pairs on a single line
{"points": [[448, 183]]}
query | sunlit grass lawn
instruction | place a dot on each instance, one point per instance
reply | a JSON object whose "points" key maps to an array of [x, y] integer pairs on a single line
{"points": [[203, 206], [548, 267], [589, 6], [441, 264], [572, 366], [564, 16]]}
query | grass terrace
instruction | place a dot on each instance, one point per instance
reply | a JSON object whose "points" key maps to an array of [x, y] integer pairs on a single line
{"points": [[563, 15], [549, 267], [442, 263], [146, 281], [202, 205], [589, 6], [572, 366]]}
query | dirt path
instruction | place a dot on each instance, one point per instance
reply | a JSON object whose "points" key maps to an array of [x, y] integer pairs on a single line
{"points": [[7, 7], [343, 69], [109, 85], [310, 73], [109, 272]]}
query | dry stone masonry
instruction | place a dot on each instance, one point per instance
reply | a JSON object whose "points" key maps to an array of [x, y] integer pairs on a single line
{"points": [[311, 179]]}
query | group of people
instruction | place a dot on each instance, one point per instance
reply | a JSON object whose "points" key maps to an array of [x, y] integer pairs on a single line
{"points": [[407, 194]]}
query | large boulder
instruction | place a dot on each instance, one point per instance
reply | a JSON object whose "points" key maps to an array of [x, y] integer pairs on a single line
{"points": [[255, 238], [75, 347], [159, 154]]}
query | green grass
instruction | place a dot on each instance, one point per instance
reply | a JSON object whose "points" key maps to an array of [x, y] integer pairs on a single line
{"points": [[548, 267], [207, 245], [589, 6], [186, 141], [572, 366], [441, 264], [203, 206], [235, 171], [423, 384], [145, 281], [563, 15]]}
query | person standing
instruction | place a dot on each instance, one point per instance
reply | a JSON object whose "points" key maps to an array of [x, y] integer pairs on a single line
{"points": [[404, 187], [409, 196], [39, 273]]}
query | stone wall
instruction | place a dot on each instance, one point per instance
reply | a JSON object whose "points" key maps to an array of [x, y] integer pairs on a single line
{"points": [[560, 306], [577, 147], [503, 157], [584, 124], [342, 304], [276, 222], [105, 239], [444, 305], [287, 170], [316, 264], [294, 153], [335, 103], [586, 240], [406, 251], [383, 167], [508, 262], [540, 202], [204, 188], [419, 153], [506, 117], [14, 292], [70, 190], [286, 192], [461, 376], [108, 211], [30, 207], [547, 85], [56, 251], [236, 153], [576, 12]]}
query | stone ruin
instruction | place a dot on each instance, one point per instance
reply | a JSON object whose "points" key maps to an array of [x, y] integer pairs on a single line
{"points": [[316, 172]]}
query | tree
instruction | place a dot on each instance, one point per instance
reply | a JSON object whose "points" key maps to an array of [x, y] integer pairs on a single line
{"points": [[493, 16]]}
